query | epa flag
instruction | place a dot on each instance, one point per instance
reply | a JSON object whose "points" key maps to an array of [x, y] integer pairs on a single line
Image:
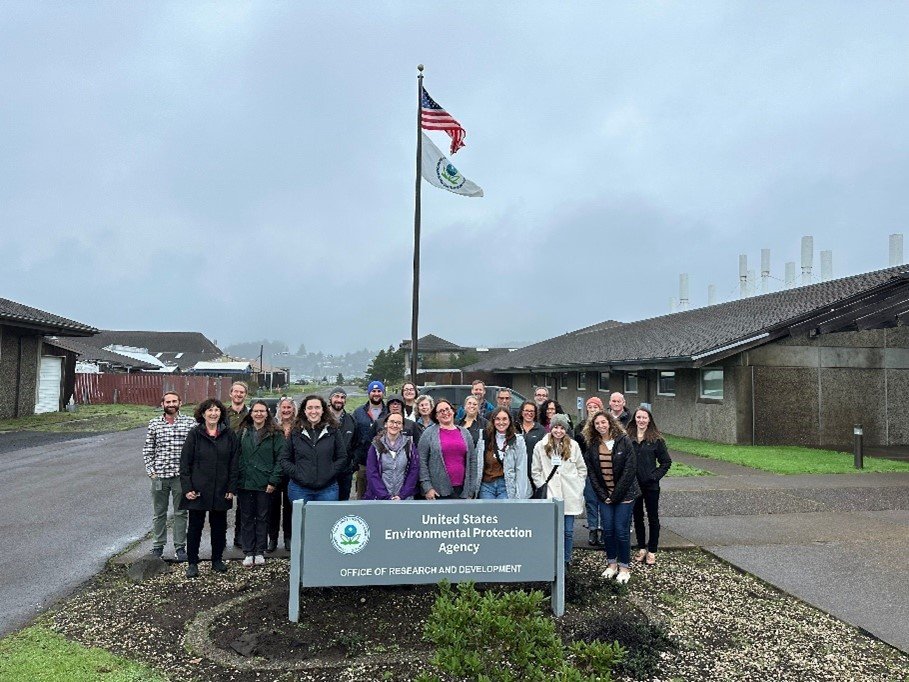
{"points": [[439, 171]]}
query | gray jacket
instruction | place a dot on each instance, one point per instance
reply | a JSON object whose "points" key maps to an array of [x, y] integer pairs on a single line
{"points": [[517, 481], [433, 474]]}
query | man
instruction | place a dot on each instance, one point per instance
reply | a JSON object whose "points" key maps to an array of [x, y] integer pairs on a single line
{"points": [[617, 407], [163, 445], [347, 428], [540, 396], [236, 411], [365, 418], [478, 391], [503, 399], [395, 405]]}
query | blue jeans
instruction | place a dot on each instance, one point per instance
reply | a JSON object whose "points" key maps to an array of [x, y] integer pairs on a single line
{"points": [[592, 505], [569, 536], [494, 490], [327, 494], [616, 519]]}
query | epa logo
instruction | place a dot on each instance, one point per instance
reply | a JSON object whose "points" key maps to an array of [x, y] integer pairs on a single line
{"points": [[350, 534]]}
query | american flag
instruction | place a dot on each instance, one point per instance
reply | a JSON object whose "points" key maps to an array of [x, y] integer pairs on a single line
{"points": [[434, 117]]}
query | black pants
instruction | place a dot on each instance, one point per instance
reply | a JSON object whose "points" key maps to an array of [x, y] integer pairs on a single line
{"points": [[344, 482], [238, 524], [254, 505], [279, 514], [649, 499], [217, 524]]}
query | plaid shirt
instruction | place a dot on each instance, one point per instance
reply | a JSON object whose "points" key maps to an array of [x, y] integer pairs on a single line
{"points": [[163, 445]]}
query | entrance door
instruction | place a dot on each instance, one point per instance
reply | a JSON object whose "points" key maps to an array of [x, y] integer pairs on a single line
{"points": [[50, 379]]}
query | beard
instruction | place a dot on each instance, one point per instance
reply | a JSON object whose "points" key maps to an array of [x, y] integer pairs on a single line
{"points": [[171, 410], [337, 407], [375, 401]]}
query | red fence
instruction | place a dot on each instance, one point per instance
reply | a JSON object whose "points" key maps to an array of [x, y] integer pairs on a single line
{"points": [[147, 389]]}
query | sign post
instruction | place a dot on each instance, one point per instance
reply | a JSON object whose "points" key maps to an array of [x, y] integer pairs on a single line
{"points": [[418, 542]]}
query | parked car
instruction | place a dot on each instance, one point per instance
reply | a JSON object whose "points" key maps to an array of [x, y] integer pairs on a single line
{"points": [[456, 393]]}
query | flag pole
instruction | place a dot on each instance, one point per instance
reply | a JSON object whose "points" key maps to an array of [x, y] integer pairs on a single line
{"points": [[415, 313]]}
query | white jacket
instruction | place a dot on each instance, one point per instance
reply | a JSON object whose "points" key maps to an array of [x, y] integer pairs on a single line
{"points": [[568, 483]]}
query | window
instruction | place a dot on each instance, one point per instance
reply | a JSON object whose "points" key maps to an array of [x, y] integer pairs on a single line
{"points": [[631, 382], [712, 383], [548, 381], [666, 383], [535, 380], [563, 381], [582, 381], [603, 381]]}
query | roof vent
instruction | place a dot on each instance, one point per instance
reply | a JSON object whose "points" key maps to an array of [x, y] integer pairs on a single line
{"points": [[790, 274], [743, 276], [765, 270], [826, 265], [807, 258], [896, 249]]}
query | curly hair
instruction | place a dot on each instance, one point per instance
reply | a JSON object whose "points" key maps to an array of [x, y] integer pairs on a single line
{"points": [[199, 414], [593, 438], [327, 417]]}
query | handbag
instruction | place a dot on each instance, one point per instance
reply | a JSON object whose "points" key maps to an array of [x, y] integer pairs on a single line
{"points": [[541, 492]]}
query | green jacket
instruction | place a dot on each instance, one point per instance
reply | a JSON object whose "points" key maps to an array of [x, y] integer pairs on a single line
{"points": [[259, 465]]}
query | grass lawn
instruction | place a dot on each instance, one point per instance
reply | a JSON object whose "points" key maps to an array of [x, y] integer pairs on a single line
{"points": [[87, 418], [782, 459], [682, 470], [38, 654]]}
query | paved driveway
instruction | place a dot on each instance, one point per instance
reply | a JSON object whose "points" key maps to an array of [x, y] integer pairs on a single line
{"points": [[67, 507]]}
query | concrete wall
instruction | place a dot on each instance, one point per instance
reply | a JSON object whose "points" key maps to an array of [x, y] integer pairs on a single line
{"points": [[19, 364]]}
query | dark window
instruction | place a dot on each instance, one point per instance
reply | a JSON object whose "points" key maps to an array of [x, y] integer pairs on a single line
{"points": [[666, 383]]}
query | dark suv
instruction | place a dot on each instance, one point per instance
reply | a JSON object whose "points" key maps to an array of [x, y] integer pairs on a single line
{"points": [[457, 393]]}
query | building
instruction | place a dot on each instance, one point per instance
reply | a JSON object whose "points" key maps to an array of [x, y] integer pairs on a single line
{"points": [[171, 349], [434, 352], [35, 376], [800, 366], [90, 359]]}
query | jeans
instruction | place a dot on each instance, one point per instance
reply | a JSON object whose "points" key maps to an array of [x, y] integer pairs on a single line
{"points": [[254, 506], [616, 518], [569, 536], [327, 494], [217, 524], [494, 490], [279, 514], [162, 491], [650, 498], [592, 505]]}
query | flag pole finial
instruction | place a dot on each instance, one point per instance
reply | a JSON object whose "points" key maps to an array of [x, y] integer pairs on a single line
{"points": [[420, 68]]}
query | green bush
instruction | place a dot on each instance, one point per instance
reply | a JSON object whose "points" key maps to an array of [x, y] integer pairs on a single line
{"points": [[506, 637]]}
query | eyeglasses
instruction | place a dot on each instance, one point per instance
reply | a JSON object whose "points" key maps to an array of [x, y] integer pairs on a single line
{"points": [[528, 411], [444, 410]]}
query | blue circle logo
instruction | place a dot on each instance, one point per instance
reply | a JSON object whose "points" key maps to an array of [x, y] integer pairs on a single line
{"points": [[349, 534]]}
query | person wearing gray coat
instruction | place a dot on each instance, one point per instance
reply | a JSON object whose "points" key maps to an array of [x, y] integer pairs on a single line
{"points": [[502, 460], [448, 457]]}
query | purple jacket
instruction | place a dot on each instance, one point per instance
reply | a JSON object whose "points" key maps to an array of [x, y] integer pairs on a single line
{"points": [[375, 487]]}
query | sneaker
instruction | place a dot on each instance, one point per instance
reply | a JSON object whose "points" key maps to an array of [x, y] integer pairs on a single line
{"points": [[610, 572], [248, 561], [260, 560], [640, 554], [157, 551], [219, 566], [192, 571], [180, 555], [623, 577]]}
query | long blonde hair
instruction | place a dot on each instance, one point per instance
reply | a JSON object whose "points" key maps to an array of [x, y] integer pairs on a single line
{"points": [[549, 447]]}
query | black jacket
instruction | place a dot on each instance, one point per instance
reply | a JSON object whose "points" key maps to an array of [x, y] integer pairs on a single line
{"points": [[531, 438], [476, 429], [653, 462], [209, 466], [347, 427], [314, 465], [624, 471]]}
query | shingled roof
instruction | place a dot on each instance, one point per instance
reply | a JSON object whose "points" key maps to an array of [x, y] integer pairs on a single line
{"points": [[48, 323], [191, 347], [89, 353], [698, 337], [434, 344]]}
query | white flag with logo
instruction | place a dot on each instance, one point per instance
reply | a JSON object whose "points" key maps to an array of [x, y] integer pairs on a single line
{"points": [[439, 171]]}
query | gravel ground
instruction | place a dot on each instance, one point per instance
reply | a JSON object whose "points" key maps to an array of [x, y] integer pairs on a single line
{"points": [[722, 624]]}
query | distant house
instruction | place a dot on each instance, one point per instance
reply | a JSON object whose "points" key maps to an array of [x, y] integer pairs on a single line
{"points": [[799, 366], [171, 349], [434, 352], [228, 367], [90, 359], [35, 375]]}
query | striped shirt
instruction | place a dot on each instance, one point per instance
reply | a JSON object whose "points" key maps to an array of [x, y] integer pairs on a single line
{"points": [[606, 466], [163, 445]]}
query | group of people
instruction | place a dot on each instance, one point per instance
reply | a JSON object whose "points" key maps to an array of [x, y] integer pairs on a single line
{"points": [[400, 447]]}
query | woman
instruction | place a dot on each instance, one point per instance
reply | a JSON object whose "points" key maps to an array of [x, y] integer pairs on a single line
{"points": [[448, 458], [208, 474], [502, 459], [532, 432], [612, 464], [548, 409], [653, 463], [425, 405], [392, 463], [472, 421], [591, 503], [559, 465], [409, 393], [280, 511], [261, 445], [315, 454]]}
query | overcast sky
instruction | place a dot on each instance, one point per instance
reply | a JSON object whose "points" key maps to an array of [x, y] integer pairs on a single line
{"points": [[247, 169]]}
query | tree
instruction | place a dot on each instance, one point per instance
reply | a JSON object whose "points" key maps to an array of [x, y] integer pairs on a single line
{"points": [[387, 366], [340, 379]]}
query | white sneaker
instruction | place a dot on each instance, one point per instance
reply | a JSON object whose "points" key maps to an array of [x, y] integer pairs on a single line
{"points": [[623, 577], [248, 561], [260, 560], [610, 572]]}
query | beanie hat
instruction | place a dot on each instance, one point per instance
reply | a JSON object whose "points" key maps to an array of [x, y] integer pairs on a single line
{"points": [[337, 390], [596, 401], [373, 385], [559, 419]]}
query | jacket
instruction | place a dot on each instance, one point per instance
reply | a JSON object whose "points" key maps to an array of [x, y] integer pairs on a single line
{"points": [[260, 463], [314, 465], [568, 482], [365, 431], [476, 429], [649, 455], [485, 408], [531, 438], [434, 475], [375, 486], [514, 462], [209, 466], [347, 427], [624, 471]]}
